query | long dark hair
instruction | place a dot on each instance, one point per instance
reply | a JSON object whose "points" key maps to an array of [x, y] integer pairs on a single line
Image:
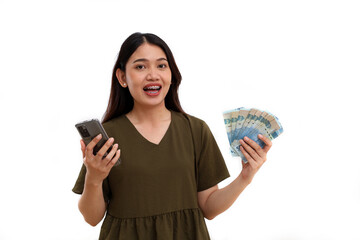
{"points": [[121, 101]]}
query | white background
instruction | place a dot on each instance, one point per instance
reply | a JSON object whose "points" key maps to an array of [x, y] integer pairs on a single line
{"points": [[297, 59]]}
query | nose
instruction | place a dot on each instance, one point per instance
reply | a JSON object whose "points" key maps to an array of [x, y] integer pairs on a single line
{"points": [[153, 74]]}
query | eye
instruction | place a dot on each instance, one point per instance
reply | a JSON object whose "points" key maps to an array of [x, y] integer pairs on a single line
{"points": [[140, 67], [162, 66]]}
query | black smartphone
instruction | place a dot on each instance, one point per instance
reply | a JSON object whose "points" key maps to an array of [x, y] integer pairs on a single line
{"points": [[89, 130]]}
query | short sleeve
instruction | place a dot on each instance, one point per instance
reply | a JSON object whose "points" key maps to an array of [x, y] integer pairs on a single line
{"points": [[79, 185], [210, 165]]}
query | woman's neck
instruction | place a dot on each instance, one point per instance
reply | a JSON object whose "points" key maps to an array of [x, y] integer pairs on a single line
{"points": [[152, 115]]}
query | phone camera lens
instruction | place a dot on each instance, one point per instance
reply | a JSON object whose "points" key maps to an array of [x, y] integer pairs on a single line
{"points": [[84, 132]]}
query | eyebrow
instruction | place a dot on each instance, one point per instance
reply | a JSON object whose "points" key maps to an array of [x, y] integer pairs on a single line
{"points": [[146, 60]]}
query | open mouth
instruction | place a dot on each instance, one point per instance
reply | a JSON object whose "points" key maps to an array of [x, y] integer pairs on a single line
{"points": [[152, 90]]}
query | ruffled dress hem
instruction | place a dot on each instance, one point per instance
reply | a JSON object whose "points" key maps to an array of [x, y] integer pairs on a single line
{"points": [[177, 225]]}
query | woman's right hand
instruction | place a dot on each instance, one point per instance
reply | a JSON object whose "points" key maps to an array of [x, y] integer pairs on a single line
{"points": [[97, 167]]}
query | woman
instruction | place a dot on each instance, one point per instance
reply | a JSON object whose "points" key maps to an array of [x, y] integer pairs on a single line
{"points": [[170, 163]]}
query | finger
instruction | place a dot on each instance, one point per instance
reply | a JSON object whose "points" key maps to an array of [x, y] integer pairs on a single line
{"points": [[105, 148], [267, 142], [115, 159], [250, 150], [255, 146], [242, 162], [89, 148], [83, 146], [248, 157], [111, 154]]}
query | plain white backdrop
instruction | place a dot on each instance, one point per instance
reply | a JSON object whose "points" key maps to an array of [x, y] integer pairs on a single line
{"points": [[297, 59]]}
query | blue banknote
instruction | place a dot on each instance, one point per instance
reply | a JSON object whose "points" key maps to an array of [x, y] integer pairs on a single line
{"points": [[241, 122]]}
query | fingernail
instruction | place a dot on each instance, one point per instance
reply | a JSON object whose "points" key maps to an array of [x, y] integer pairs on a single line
{"points": [[246, 138], [111, 139], [99, 136], [260, 136]]}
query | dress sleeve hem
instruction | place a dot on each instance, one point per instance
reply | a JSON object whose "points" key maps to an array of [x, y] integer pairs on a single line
{"points": [[213, 183], [77, 190]]}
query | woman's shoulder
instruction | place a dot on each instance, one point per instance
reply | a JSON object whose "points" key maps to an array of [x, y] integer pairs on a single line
{"points": [[192, 120], [114, 122]]}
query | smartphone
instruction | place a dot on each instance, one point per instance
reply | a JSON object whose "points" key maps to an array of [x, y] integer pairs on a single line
{"points": [[89, 130]]}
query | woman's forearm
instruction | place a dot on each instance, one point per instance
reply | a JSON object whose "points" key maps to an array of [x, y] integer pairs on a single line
{"points": [[91, 204], [221, 199]]}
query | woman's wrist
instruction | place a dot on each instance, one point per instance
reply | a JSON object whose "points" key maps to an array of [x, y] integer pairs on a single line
{"points": [[92, 181], [244, 180]]}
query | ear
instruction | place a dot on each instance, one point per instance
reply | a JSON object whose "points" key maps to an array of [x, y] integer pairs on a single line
{"points": [[120, 75]]}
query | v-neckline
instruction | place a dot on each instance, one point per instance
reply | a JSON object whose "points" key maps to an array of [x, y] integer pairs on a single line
{"points": [[144, 138]]}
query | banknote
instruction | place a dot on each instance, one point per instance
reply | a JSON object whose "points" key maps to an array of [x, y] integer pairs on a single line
{"points": [[228, 126], [233, 120], [241, 122]]}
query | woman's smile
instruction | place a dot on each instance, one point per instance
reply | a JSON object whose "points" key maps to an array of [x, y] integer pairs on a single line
{"points": [[152, 89]]}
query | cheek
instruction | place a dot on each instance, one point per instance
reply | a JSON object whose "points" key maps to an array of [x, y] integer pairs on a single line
{"points": [[167, 82], [131, 84], [167, 77], [132, 79]]}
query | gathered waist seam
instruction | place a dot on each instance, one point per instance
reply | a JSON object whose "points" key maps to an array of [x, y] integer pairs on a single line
{"points": [[156, 215]]}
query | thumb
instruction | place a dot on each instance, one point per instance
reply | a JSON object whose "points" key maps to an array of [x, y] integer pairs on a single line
{"points": [[243, 164]]}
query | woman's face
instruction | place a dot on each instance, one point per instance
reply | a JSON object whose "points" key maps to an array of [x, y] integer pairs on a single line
{"points": [[147, 75]]}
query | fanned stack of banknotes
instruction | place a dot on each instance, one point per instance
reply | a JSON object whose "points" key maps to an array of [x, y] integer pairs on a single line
{"points": [[241, 122]]}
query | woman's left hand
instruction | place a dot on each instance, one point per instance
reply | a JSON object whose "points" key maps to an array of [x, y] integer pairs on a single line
{"points": [[255, 155]]}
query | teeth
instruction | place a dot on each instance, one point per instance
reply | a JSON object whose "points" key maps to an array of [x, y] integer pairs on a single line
{"points": [[153, 87]]}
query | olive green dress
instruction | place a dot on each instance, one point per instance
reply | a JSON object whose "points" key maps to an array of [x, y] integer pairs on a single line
{"points": [[152, 194]]}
